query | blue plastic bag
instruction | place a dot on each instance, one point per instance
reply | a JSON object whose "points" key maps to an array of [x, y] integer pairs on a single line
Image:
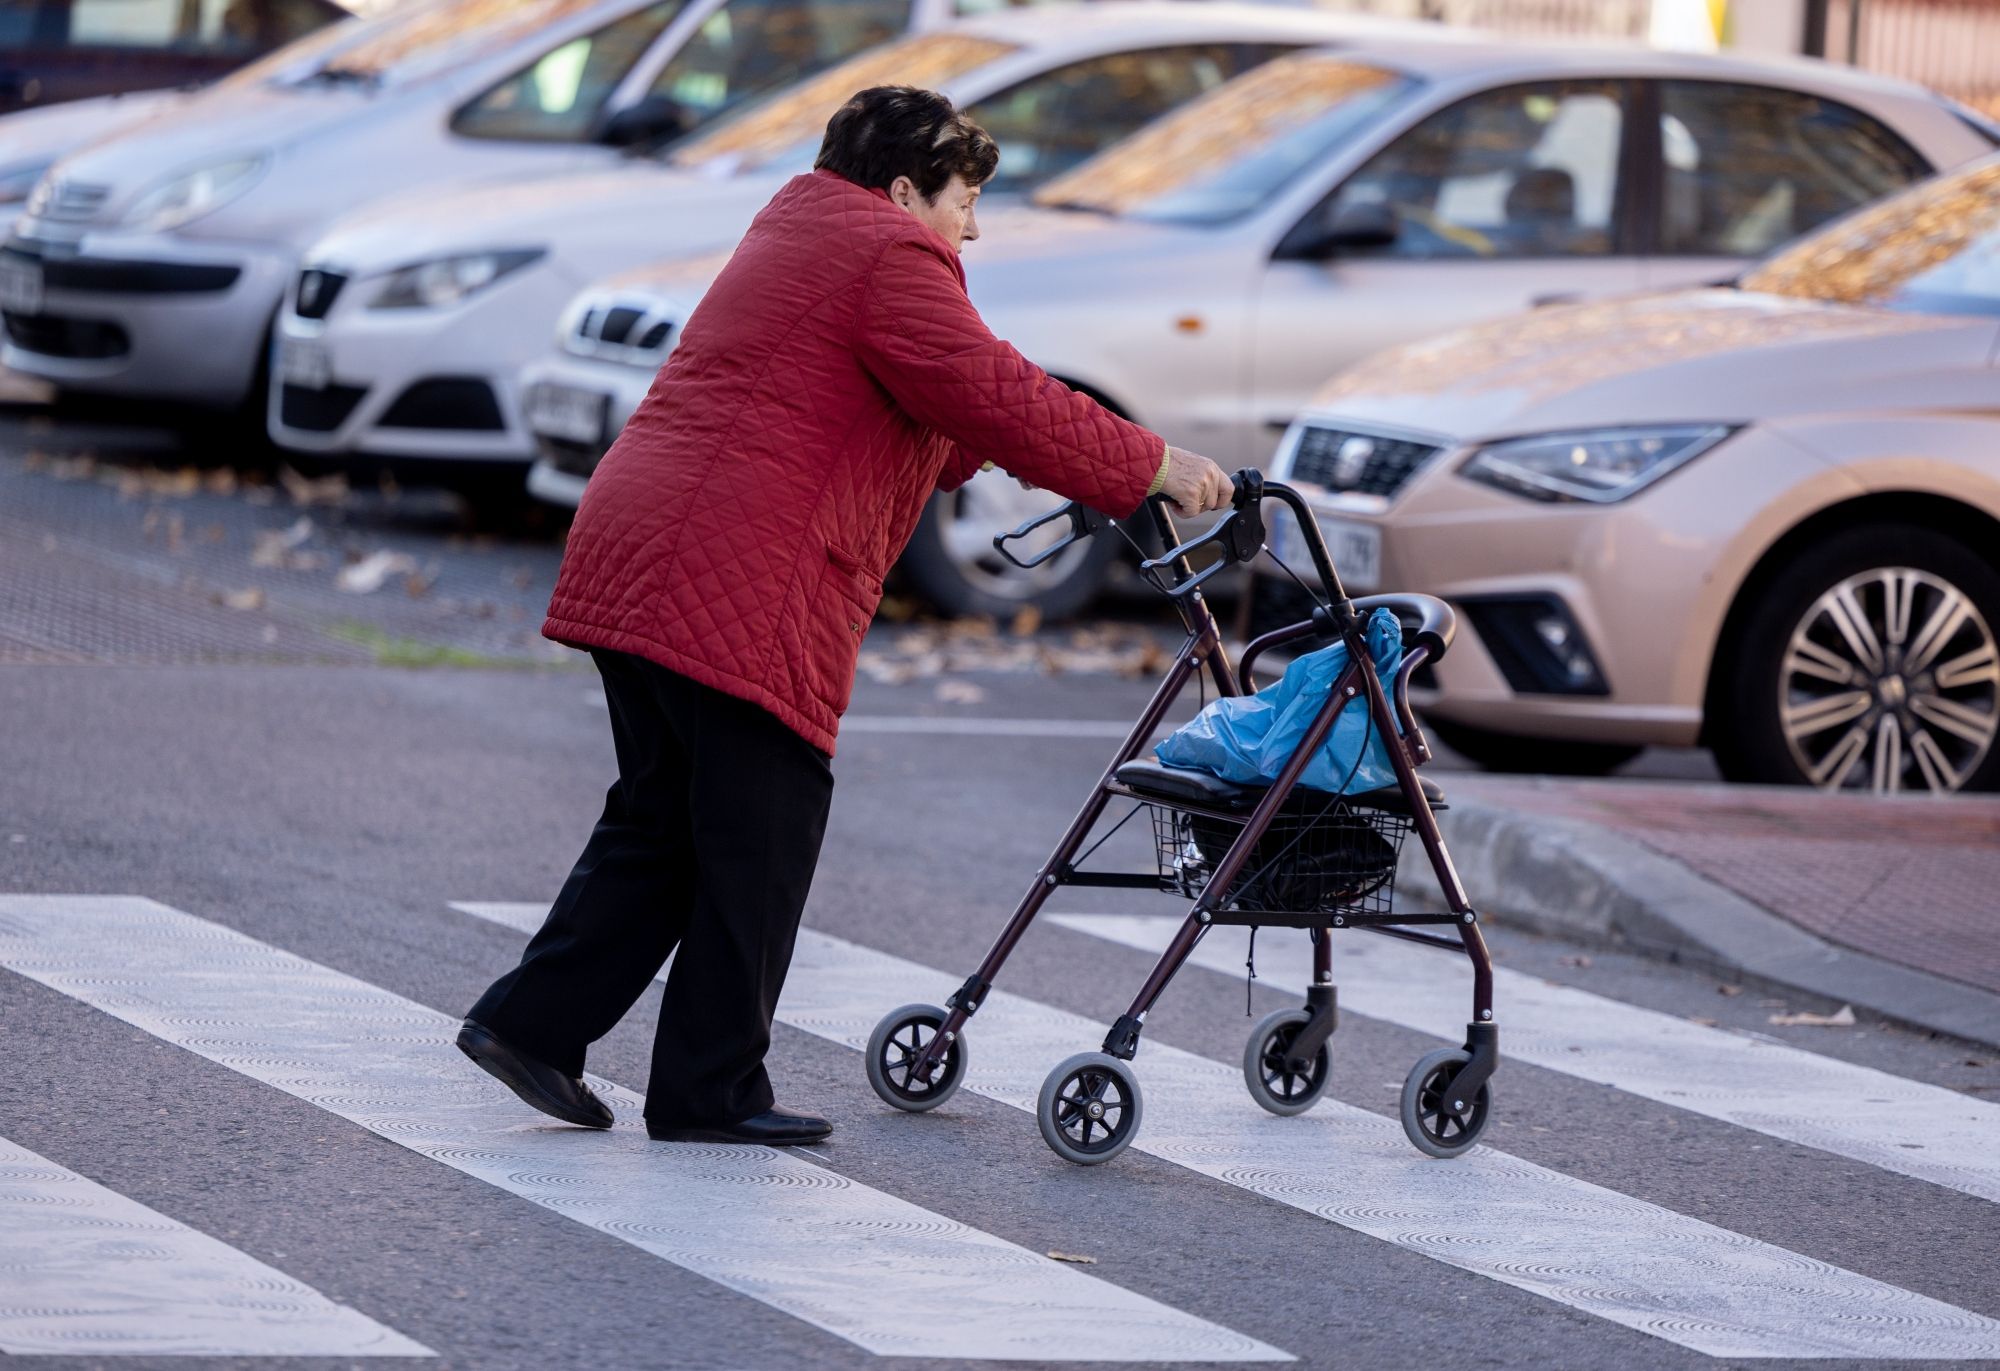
{"points": [[1249, 738]]}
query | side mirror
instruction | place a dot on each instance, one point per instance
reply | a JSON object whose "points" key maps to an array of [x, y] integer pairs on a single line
{"points": [[1347, 228], [655, 119]]}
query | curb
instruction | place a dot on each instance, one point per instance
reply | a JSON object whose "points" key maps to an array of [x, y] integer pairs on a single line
{"points": [[1575, 879]]}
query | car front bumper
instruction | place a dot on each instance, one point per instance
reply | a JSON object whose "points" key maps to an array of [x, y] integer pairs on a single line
{"points": [[1641, 587], [565, 459], [434, 383], [149, 316]]}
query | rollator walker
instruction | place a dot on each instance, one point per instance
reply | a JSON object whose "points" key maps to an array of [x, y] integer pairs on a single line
{"points": [[1280, 855]]}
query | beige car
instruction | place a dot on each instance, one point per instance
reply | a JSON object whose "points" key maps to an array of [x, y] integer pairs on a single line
{"points": [[1763, 518]]}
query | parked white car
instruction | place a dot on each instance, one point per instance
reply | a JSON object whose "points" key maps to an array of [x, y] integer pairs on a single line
{"points": [[412, 318], [1206, 275], [32, 140], [152, 265]]}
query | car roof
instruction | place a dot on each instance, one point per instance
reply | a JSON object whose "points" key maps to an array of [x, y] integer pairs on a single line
{"points": [[1173, 21], [1525, 59]]}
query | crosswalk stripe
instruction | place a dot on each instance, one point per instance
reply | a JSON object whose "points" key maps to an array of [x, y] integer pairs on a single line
{"points": [[800, 1238], [1578, 1244], [1899, 1125], [86, 1271]]}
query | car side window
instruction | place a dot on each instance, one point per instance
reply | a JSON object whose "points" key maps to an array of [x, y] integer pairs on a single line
{"points": [[749, 47], [1745, 168], [1523, 171], [1054, 121], [191, 26], [559, 97]]}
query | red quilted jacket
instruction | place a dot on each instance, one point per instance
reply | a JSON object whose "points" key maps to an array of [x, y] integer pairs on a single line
{"points": [[834, 376]]}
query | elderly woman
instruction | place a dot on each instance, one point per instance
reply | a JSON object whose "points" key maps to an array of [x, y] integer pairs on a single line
{"points": [[725, 562]]}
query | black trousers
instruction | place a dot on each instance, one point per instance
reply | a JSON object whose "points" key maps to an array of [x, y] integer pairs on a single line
{"points": [[708, 844]]}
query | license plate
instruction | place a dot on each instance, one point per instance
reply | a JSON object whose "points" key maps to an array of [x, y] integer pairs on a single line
{"points": [[20, 285], [568, 413], [1356, 549], [305, 362]]}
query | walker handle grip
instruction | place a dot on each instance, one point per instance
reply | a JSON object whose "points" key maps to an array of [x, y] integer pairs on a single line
{"points": [[1084, 522], [1239, 535]]}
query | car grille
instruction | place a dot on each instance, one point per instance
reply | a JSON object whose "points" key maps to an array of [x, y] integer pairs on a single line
{"points": [[71, 201], [317, 291], [1358, 463], [626, 330]]}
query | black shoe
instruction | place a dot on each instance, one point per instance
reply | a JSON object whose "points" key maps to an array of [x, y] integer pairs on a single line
{"points": [[773, 1128], [537, 1083]]}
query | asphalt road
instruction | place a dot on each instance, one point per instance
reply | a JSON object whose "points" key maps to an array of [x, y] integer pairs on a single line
{"points": [[339, 812]]}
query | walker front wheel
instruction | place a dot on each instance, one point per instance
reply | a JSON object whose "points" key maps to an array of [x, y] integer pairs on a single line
{"points": [[893, 1049], [1276, 1082], [1436, 1119], [1089, 1108]]}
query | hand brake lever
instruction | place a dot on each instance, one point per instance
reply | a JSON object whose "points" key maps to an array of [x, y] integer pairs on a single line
{"points": [[1084, 522], [1239, 535]]}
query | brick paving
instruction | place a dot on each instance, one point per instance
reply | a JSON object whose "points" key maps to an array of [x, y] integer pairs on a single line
{"points": [[1911, 879]]}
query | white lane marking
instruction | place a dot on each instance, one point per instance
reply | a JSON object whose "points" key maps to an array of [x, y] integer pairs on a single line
{"points": [[1579, 1244], [1781, 1091], [88, 1272], [888, 1276]]}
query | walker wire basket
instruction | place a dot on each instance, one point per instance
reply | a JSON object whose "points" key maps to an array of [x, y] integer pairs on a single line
{"points": [[1323, 861]]}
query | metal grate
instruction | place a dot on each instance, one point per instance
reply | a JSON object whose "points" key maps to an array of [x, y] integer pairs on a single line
{"points": [[624, 330], [1359, 463], [1321, 861]]}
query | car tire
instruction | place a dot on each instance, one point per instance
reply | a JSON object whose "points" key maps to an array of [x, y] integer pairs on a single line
{"points": [[1510, 752], [1783, 716], [950, 560]]}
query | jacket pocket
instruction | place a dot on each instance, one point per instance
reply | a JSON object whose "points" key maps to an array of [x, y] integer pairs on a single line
{"points": [[839, 617]]}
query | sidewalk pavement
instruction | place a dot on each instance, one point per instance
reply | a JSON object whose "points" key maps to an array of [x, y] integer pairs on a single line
{"points": [[1890, 904]]}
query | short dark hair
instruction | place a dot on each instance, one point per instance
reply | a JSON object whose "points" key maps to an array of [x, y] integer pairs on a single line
{"points": [[889, 131]]}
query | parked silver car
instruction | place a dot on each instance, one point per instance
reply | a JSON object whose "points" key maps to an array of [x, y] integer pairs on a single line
{"points": [[1206, 275], [1055, 84], [152, 264]]}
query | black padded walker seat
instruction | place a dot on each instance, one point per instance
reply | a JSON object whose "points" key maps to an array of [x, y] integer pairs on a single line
{"points": [[1183, 785]]}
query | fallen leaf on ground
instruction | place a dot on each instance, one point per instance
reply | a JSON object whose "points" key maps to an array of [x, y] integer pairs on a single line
{"points": [[1842, 1017], [1705, 1023], [249, 598], [367, 576], [221, 481], [304, 490], [1073, 1257], [278, 547], [1578, 961], [1729, 990], [1026, 620], [960, 693]]}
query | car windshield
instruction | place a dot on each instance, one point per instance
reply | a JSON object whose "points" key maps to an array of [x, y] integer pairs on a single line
{"points": [[426, 39], [1222, 156], [768, 129], [1934, 249]]}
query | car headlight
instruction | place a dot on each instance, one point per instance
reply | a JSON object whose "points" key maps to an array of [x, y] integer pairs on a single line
{"points": [[447, 280], [1594, 465], [194, 193], [18, 182]]}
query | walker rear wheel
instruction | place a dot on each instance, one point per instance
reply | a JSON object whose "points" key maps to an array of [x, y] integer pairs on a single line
{"points": [[1282, 1086], [1089, 1108], [893, 1049], [1437, 1121]]}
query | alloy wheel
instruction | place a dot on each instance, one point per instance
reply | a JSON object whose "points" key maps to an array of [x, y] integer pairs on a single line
{"points": [[1890, 682]]}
